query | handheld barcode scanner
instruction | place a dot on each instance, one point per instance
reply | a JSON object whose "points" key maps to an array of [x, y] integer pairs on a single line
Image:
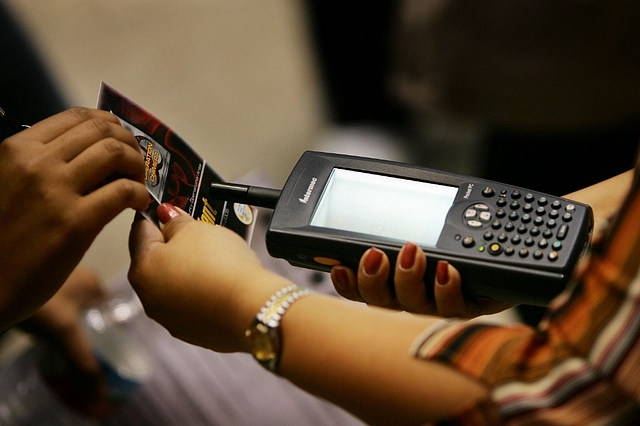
{"points": [[508, 243]]}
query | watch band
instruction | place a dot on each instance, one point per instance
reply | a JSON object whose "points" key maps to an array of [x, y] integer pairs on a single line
{"points": [[264, 333]]}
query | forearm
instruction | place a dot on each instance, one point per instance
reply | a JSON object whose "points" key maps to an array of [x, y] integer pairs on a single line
{"points": [[358, 357], [605, 198]]}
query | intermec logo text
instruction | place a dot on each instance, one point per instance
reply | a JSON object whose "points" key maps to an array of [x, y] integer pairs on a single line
{"points": [[307, 194], [469, 189]]}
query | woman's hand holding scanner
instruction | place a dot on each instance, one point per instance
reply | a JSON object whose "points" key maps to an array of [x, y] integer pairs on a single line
{"points": [[63, 180], [370, 284]]}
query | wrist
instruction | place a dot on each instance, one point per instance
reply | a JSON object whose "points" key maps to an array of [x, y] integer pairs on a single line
{"points": [[264, 335], [249, 299]]}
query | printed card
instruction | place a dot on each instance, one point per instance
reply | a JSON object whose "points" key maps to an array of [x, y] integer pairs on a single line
{"points": [[175, 173]]}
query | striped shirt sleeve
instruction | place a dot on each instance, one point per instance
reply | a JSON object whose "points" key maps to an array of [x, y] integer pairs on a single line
{"points": [[580, 365]]}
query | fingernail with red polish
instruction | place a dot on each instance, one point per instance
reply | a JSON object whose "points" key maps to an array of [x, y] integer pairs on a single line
{"points": [[341, 277], [373, 261], [166, 212], [442, 272], [408, 256]]}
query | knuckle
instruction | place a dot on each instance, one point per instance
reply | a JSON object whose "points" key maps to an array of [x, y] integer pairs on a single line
{"points": [[127, 191], [100, 127], [113, 149], [80, 113], [124, 188]]}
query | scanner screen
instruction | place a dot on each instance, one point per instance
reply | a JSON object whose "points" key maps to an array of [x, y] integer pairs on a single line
{"points": [[392, 208]]}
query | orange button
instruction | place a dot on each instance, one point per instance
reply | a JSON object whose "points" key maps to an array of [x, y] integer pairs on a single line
{"points": [[326, 261]]}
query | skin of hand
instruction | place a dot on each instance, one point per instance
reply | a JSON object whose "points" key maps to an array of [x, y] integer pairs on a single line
{"points": [[63, 180], [205, 285], [369, 283], [57, 322], [215, 268]]}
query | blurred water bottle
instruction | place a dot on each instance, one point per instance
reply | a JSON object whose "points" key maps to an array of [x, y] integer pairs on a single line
{"points": [[41, 387], [125, 362]]}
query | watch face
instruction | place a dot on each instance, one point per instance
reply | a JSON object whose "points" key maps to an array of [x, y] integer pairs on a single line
{"points": [[264, 343]]}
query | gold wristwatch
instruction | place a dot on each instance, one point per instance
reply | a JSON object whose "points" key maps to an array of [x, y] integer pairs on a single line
{"points": [[264, 334]]}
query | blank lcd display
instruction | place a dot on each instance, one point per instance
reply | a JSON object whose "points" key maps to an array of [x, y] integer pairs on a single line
{"points": [[388, 207]]}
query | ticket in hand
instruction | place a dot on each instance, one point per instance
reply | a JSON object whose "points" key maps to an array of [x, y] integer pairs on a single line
{"points": [[174, 172]]}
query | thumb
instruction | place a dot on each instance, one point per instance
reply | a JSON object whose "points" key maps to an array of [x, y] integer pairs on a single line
{"points": [[144, 235]]}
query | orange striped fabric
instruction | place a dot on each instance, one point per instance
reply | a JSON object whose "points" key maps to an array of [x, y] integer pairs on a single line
{"points": [[581, 365]]}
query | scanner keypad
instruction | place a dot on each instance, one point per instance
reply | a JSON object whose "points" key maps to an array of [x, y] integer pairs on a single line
{"points": [[518, 224]]}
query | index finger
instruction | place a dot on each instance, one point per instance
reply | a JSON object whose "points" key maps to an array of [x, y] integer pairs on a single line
{"points": [[58, 124]]}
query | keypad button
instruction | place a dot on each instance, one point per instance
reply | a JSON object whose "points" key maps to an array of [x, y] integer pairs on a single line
{"points": [[553, 256], [567, 217], [516, 194], [503, 237], [562, 231], [509, 251], [514, 205], [523, 252], [522, 229], [468, 242], [488, 192], [535, 231], [529, 241], [557, 245], [485, 216], [495, 248], [543, 243], [543, 201], [538, 254], [488, 236], [516, 239], [552, 223], [529, 197], [570, 208], [501, 202]]}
